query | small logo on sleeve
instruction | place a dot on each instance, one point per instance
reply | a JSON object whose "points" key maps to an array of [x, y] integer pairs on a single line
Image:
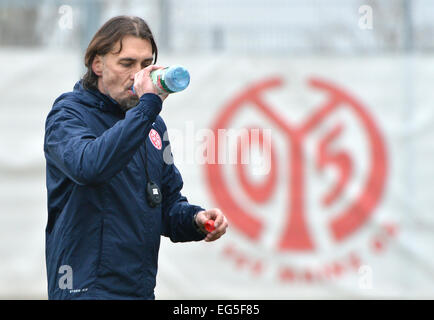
{"points": [[155, 139]]}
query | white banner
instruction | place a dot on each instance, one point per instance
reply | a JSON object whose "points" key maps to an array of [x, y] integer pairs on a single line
{"points": [[336, 204], [323, 167]]}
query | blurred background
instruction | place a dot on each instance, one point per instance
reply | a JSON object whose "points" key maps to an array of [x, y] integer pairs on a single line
{"points": [[351, 82]]}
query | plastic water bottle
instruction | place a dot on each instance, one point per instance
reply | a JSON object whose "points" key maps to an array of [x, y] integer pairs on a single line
{"points": [[170, 79]]}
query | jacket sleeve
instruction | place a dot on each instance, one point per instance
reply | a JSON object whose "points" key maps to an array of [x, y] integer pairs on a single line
{"points": [[178, 213], [74, 149]]}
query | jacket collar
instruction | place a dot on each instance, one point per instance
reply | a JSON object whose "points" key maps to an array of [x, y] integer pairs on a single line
{"points": [[99, 100]]}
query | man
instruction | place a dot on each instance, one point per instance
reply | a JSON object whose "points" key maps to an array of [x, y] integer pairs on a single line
{"points": [[106, 176]]}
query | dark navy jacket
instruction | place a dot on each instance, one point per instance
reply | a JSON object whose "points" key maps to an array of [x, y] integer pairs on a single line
{"points": [[102, 237]]}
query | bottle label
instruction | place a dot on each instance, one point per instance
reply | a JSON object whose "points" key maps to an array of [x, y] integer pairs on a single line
{"points": [[157, 77]]}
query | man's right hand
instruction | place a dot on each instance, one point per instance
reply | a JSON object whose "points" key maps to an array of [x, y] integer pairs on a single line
{"points": [[143, 82]]}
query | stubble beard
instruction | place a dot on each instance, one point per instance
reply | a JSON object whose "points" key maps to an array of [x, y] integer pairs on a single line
{"points": [[128, 103]]}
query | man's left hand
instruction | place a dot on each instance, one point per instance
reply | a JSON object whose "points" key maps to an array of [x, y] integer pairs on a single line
{"points": [[220, 223]]}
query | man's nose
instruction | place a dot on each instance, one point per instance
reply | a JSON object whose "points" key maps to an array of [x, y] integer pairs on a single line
{"points": [[136, 69]]}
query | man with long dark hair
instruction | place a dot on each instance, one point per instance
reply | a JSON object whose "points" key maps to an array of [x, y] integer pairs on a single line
{"points": [[111, 195]]}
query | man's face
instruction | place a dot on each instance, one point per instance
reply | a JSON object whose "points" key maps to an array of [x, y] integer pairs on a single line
{"points": [[116, 70]]}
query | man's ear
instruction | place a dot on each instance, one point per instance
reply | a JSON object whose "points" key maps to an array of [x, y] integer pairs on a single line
{"points": [[97, 65]]}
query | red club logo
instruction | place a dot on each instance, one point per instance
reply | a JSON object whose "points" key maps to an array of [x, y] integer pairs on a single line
{"points": [[155, 139], [296, 234]]}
